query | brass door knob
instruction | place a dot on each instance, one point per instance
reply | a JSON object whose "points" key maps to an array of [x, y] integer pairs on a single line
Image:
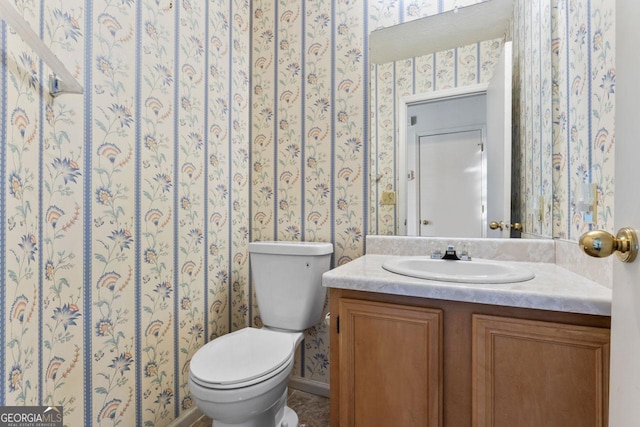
{"points": [[425, 222], [494, 225], [600, 244]]}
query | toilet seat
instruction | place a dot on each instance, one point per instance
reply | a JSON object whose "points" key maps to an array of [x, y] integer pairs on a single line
{"points": [[242, 358]]}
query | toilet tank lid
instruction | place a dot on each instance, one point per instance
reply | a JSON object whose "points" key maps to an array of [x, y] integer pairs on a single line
{"points": [[291, 248]]}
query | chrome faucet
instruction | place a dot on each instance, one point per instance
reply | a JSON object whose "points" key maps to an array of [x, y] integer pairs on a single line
{"points": [[450, 254]]}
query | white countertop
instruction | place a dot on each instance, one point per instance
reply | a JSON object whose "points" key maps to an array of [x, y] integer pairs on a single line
{"points": [[553, 288]]}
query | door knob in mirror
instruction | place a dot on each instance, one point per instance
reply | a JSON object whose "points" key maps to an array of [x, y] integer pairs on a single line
{"points": [[600, 244], [494, 225]]}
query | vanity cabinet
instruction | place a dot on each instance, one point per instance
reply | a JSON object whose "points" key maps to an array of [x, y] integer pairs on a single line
{"points": [[406, 361], [392, 357], [532, 373]]}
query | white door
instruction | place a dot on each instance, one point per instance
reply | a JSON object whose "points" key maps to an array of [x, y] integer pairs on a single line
{"points": [[451, 190], [499, 144], [624, 408]]}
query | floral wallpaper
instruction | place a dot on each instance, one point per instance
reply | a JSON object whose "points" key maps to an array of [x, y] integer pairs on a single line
{"points": [[126, 212], [579, 38], [532, 104]]}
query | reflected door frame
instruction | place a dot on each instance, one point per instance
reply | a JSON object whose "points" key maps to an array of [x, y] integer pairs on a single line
{"points": [[401, 163]]}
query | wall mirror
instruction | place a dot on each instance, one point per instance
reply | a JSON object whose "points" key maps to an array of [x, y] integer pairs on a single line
{"points": [[455, 56]]}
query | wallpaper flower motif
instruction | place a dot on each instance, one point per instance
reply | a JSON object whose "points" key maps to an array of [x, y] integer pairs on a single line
{"points": [[582, 90], [191, 222], [140, 157], [23, 246]]}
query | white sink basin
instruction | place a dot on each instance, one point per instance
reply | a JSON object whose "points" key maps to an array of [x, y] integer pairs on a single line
{"points": [[475, 271]]}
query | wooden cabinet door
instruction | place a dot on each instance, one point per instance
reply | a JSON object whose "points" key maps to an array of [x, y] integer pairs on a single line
{"points": [[532, 373], [390, 365]]}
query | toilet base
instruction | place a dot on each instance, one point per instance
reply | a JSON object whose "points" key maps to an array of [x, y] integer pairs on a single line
{"points": [[279, 415], [290, 418]]}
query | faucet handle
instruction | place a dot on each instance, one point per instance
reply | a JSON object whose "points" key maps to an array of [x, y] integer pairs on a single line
{"points": [[464, 253]]}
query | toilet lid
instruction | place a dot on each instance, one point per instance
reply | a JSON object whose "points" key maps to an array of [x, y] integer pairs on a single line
{"points": [[242, 356]]}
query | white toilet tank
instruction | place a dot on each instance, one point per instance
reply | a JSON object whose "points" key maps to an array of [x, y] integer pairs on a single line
{"points": [[288, 282]]}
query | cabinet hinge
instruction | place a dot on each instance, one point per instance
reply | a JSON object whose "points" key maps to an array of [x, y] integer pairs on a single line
{"points": [[338, 324]]}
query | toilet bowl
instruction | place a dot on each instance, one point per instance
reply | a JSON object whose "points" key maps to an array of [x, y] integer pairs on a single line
{"points": [[247, 385], [240, 379]]}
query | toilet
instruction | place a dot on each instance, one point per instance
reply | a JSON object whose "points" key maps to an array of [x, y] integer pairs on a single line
{"points": [[240, 379]]}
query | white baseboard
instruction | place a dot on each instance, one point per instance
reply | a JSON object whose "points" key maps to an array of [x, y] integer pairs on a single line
{"points": [[187, 418], [309, 386]]}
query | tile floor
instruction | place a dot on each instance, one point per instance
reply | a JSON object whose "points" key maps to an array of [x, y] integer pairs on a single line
{"points": [[312, 410]]}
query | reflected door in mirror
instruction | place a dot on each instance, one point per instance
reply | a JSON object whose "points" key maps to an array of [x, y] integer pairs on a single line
{"points": [[450, 198]]}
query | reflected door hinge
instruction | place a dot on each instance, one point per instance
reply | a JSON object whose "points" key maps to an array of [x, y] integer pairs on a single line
{"points": [[413, 120], [481, 145]]}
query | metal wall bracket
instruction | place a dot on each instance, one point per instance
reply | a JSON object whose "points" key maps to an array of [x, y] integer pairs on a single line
{"points": [[66, 83]]}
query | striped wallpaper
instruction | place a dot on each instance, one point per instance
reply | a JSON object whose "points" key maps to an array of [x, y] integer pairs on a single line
{"points": [[565, 80], [124, 211]]}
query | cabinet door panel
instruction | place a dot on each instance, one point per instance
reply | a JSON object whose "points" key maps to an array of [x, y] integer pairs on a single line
{"points": [[391, 371], [532, 373]]}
